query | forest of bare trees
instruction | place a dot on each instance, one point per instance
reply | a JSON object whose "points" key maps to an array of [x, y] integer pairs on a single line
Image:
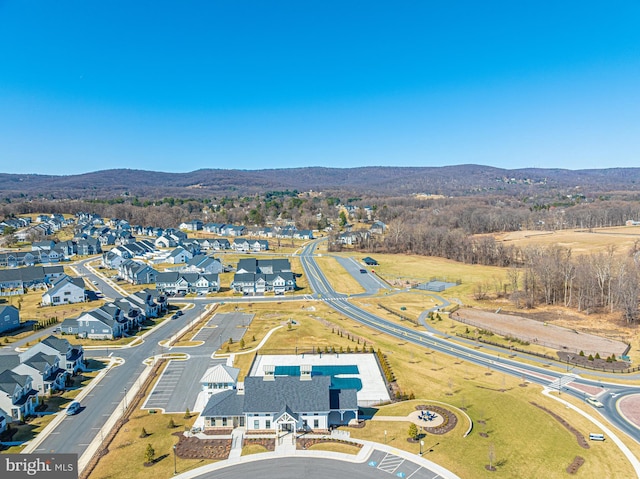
{"points": [[459, 229]]}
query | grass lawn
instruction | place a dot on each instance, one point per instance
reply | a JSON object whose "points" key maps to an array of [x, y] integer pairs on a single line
{"points": [[126, 454], [335, 447], [253, 449], [31, 310], [338, 277], [27, 431]]}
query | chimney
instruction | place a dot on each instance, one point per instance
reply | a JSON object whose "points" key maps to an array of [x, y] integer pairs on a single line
{"points": [[305, 372], [269, 372]]}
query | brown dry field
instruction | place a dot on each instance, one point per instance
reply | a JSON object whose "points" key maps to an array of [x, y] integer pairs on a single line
{"points": [[541, 332], [580, 241]]}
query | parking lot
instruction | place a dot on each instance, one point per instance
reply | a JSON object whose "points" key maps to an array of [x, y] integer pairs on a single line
{"points": [[178, 386]]}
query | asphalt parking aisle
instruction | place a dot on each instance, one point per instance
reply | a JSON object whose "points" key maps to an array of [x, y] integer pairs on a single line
{"points": [[398, 466]]}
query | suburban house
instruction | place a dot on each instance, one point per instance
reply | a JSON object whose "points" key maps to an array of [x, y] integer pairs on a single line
{"points": [[255, 276], [152, 302], [136, 272], [378, 228], [15, 259], [65, 290], [193, 225], [233, 230], [173, 282], [89, 246], [9, 318], [100, 323], [13, 281], [179, 255], [71, 357], [353, 237], [275, 404], [246, 246], [18, 399], [303, 234], [215, 228], [46, 245], [45, 372], [203, 264], [220, 244]]}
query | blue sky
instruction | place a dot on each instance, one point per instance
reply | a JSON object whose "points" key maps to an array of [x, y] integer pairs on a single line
{"points": [[183, 85]]}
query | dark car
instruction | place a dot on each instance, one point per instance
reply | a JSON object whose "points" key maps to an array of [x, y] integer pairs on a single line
{"points": [[363, 271], [179, 312]]}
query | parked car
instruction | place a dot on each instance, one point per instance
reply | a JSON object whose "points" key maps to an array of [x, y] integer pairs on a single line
{"points": [[73, 408], [594, 402]]}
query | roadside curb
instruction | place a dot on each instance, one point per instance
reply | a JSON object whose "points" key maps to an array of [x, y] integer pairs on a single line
{"points": [[49, 428]]}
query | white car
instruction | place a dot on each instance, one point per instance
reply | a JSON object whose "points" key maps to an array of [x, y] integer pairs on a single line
{"points": [[95, 282], [594, 402]]}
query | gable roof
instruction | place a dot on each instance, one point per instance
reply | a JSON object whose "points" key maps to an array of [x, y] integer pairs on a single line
{"points": [[225, 403], [9, 380], [220, 373], [271, 396], [59, 344]]}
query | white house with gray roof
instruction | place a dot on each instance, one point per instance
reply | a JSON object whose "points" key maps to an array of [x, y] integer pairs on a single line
{"points": [[65, 290], [71, 357], [282, 404], [45, 372], [18, 399]]}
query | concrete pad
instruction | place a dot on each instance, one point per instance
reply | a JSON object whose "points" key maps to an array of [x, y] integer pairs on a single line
{"points": [[374, 390]]}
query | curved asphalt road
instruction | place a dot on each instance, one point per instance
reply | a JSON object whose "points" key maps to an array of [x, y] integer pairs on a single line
{"points": [[539, 375]]}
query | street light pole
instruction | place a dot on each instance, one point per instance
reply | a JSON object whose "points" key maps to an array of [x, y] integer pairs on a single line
{"points": [[175, 466], [421, 444]]}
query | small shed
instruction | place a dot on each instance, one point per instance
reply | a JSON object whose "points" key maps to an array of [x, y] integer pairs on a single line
{"points": [[369, 261]]}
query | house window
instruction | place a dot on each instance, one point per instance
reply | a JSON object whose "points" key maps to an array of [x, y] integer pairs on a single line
{"points": [[268, 424], [224, 421], [316, 423], [256, 424]]}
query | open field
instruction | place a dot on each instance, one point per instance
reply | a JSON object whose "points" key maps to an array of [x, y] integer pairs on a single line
{"points": [[338, 277], [580, 241]]}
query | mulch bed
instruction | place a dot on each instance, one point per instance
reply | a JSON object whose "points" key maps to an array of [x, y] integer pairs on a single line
{"points": [[450, 419], [582, 441], [268, 443], [218, 432], [359, 425], [577, 360], [575, 465], [194, 448], [306, 443]]}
